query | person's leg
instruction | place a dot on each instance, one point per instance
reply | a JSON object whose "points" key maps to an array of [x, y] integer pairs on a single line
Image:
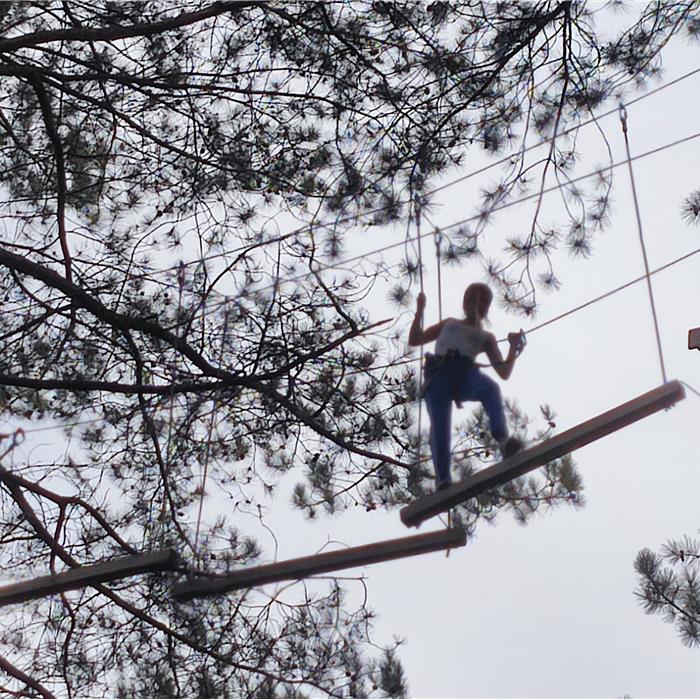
{"points": [[476, 386], [438, 399]]}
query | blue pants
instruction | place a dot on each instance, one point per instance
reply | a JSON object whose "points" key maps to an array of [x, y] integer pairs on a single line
{"points": [[457, 379]]}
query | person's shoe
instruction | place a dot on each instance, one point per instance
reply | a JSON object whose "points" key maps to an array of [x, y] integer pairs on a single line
{"points": [[441, 486], [510, 447]]}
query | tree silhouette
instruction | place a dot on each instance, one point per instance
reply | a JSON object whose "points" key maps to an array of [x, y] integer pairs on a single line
{"points": [[178, 181], [690, 208], [669, 586]]}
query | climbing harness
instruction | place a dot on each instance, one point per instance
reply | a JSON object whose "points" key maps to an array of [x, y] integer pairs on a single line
{"points": [[434, 363]]}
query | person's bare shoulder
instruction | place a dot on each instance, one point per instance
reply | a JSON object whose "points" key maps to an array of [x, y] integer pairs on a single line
{"points": [[489, 341]]}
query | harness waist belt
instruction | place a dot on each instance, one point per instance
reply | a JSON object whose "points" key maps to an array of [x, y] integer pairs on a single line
{"points": [[433, 363]]}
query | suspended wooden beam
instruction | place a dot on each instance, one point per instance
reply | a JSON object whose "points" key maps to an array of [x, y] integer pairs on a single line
{"points": [[694, 339], [294, 569], [527, 460], [122, 567]]}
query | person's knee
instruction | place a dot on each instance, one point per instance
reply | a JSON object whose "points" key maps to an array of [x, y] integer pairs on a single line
{"points": [[489, 393], [493, 389]]}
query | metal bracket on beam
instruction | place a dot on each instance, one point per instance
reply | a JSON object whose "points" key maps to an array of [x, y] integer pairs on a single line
{"points": [[694, 339], [295, 569], [82, 576], [527, 460]]}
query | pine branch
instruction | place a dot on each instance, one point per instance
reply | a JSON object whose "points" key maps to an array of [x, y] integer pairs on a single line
{"points": [[114, 33], [11, 670]]}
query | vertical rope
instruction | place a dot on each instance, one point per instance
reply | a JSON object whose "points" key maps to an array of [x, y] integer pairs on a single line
{"points": [[623, 120], [208, 448], [438, 261], [437, 237], [417, 211], [173, 377]]}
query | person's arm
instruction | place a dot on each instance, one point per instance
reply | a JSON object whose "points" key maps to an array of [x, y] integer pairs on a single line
{"points": [[504, 368], [416, 336]]}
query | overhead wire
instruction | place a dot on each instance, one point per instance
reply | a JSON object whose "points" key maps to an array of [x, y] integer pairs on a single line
{"points": [[391, 246], [150, 276], [468, 176], [420, 235], [494, 210], [408, 361], [610, 293], [550, 321], [565, 132], [687, 386], [355, 217]]}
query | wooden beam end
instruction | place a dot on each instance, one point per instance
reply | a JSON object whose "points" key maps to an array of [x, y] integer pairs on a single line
{"points": [[694, 339]]}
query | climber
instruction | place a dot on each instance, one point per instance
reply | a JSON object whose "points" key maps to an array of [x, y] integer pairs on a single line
{"points": [[452, 375]]}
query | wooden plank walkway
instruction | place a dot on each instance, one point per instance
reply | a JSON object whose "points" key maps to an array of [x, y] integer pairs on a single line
{"points": [[122, 567], [527, 460], [294, 569]]}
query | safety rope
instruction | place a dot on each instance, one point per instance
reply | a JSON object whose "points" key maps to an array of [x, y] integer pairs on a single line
{"points": [[171, 401], [623, 121], [437, 237], [208, 447], [438, 260], [417, 215]]}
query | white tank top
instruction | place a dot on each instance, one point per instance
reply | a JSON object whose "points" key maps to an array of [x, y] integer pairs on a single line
{"points": [[467, 340]]}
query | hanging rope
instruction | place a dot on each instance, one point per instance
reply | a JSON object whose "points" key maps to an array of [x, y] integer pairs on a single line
{"points": [[437, 238], [438, 262], [417, 213], [208, 447], [173, 376], [623, 120], [438, 245]]}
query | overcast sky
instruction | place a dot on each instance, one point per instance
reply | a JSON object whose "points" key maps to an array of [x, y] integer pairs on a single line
{"points": [[548, 609]]}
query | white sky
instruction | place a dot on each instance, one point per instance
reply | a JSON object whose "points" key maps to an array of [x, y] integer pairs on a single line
{"points": [[548, 610]]}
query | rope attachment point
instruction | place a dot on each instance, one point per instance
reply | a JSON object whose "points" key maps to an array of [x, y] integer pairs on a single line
{"points": [[622, 111]]}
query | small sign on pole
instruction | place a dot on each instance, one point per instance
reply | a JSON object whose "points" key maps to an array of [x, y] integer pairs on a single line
{"points": [[694, 339]]}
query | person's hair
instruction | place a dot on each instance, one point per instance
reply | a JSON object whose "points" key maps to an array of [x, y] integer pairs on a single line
{"points": [[471, 291]]}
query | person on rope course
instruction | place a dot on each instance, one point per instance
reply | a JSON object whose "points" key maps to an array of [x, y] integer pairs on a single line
{"points": [[451, 374]]}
